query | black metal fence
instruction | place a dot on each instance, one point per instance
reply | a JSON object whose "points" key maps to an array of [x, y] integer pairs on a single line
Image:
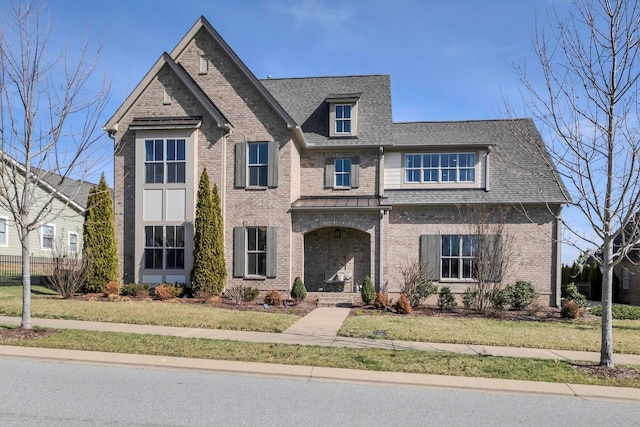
{"points": [[11, 266]]}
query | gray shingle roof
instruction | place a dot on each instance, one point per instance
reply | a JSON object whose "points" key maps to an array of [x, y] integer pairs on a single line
{"points": [[305, 100], [520, 168]]}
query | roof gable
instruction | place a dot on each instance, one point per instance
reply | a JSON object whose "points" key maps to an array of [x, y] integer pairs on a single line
{"points": [[166, 60]]}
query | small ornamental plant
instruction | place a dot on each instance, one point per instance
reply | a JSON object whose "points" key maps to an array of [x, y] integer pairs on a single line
{"points": [[403, 306], [382, 301], [273, 297], [368, 292], [298, 291]]}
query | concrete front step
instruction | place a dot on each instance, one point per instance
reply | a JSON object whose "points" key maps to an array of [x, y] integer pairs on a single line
{"points": [[334, 299]]}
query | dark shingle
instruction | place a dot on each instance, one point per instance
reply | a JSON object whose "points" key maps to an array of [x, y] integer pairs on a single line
{"points": [[520, 171], [305, 100]]}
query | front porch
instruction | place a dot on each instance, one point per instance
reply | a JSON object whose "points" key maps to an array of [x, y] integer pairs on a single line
{"points": [[336, 259]]}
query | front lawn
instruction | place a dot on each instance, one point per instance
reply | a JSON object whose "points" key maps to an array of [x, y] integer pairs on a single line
{"points": [[421, 362], [581, 335], [46, 304]]}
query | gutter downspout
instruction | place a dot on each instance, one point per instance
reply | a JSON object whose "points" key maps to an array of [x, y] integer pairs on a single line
{"points": [[223, 181], [557, 286], [381, 226]]}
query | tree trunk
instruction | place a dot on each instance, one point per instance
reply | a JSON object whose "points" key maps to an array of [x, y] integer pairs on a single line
{"points": [[26, 282], [606, 346]]}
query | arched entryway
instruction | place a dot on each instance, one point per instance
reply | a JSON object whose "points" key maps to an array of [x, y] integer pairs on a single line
{"points": [[336, 259]]}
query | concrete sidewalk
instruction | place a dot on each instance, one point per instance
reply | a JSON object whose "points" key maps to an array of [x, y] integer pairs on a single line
{"points": [[320, 328]]}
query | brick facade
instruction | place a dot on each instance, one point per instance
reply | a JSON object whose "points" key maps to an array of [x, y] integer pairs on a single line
{"points": [[374, 240]]}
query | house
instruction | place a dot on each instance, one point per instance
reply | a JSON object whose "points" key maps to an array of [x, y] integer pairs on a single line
{"points": [[60, 227], [317, 181]]}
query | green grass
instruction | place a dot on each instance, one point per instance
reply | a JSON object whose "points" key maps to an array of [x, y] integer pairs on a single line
{"points": [[619, 311], [46, 304], [367, 359], [563, 335]]}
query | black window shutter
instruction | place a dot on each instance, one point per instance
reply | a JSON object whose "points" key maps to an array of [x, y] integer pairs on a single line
{"points": [[241, 165], [272, 251], [430, 252], [496, 246], [273, 164], [329, 171], [239, 247]]}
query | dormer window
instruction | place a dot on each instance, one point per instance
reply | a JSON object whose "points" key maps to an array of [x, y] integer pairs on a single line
{"points": [[343, 119], [343, 115]]}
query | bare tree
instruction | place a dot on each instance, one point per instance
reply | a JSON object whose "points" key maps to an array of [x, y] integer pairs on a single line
{"points": [[588, 105], [49, 133], [491, 246]]}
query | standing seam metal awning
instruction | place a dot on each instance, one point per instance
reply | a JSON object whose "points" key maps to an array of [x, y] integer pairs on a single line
{"points": [[340, 203]]}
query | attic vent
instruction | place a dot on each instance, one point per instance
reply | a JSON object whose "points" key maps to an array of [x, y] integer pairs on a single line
{"points": [[204, 64], [168, 94]]}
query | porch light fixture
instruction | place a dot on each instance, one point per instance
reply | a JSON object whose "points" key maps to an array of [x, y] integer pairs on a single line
{"points": [[337, 233]]}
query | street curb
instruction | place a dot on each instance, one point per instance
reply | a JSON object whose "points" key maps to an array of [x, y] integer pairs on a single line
{"points": [[320, 374]]}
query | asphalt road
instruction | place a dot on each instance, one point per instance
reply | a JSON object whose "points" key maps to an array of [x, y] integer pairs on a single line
{"points": [[66, 394]]}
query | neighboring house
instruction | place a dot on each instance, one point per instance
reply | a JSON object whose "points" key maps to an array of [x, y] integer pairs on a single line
{"points": [[317, 181], [626, 275], [60, 230]]}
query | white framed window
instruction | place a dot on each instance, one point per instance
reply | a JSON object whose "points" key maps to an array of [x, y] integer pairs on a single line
{"points": [[156, 161], [343, 119], [342, 168], [258, 163], [72, 242], [439, 167], [164, 247], [4, 232], [48, 236], [257, 251], [458, 256]]}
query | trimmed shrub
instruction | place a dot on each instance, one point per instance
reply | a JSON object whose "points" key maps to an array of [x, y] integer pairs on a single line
{"points": [[240, 293], [167, 291], [135, 290], [273, 297], [209, 274], [574, 295], [500, 299], [368, 291], [403, 306], [99, 239], [469, 298], [619, 311], [570, 310], [446, 299], [298, 291], [382, 301], [112, 288], [250, 294], [520, 294]]}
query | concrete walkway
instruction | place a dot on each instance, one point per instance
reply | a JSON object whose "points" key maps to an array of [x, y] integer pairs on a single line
{"points": [[320, 328]]}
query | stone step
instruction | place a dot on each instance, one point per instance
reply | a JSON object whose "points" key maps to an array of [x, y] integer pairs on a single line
{"points": [[333, 299]]}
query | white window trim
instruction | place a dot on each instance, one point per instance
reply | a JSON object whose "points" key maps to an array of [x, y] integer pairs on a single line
{"points": [[247, 253], [257, 165], [69, 234], [53, 239], [460, 259], [6, 232], [335, 173], [477, 179], [354, 118]]}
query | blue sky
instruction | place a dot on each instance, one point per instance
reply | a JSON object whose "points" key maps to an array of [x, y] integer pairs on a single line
{"points": [[447, 60]]}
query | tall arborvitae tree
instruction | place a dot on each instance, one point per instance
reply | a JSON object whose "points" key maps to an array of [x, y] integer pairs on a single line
{"points": [[100, 246], [204, 274], [219, 266]]}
